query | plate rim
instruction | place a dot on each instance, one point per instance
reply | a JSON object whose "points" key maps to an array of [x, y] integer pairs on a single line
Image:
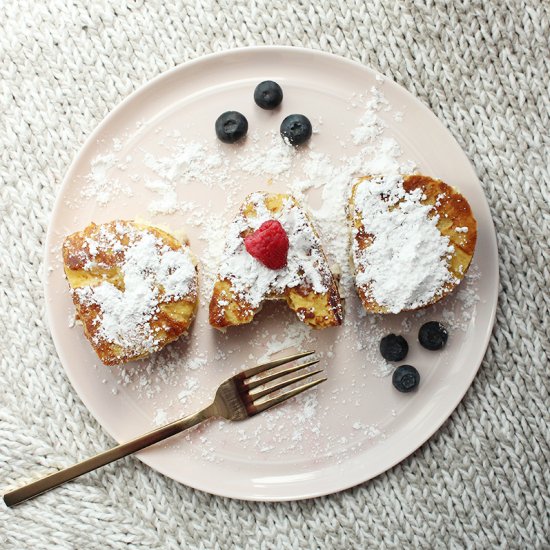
{"points": [[288, 50]]}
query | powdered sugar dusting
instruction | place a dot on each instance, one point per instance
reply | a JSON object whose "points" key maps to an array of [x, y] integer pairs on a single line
{"points": [[188, 163], [377, 154], [335, 420], [274, 160], [251, 281], [101, 185], [370, 125], [407, 263], [152, 272]]}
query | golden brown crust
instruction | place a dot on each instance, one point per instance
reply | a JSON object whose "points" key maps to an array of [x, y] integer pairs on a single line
{"points": [[454, 212], [86, 268], [226, 310], [317, 310]]}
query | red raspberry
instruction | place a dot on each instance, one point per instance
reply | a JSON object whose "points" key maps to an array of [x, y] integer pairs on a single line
{"points": [[269, 244]]}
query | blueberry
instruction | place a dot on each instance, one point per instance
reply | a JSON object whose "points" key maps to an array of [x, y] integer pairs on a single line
{"points": [[296, 129], [433, 335], [231, 126], [268, 94], [405, 378], [393, 347]]}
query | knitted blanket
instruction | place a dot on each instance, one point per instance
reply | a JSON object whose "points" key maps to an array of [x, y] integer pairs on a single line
{"points": [[483, 67]]}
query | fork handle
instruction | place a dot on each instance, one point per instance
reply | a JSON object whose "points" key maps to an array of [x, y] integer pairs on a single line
{"points": [[51, 481]]}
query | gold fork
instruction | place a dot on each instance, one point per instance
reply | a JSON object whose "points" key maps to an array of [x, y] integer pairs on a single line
{"points": [[239, 397]]}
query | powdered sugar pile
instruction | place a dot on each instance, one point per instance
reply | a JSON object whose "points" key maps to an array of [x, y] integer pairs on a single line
{"points": [[407, 263]]}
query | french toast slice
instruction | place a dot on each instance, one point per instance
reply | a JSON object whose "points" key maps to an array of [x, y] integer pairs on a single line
{"points": [[306, 282], [134, 287], [413, 239]]}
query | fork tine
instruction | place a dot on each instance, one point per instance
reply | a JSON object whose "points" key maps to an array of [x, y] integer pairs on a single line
{"points": [[265, 379], [260, 393], [272, 364], [255, 409]]}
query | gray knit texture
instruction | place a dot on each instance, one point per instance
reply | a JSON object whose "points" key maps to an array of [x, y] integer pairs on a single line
{"points": [[483, 68]]}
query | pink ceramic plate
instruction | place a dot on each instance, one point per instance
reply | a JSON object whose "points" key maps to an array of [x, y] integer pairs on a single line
{"points": [[156, 157]]}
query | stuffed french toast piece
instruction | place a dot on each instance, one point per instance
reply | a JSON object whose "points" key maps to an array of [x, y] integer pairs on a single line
{"points": [[134, 287], [273, 252]]}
